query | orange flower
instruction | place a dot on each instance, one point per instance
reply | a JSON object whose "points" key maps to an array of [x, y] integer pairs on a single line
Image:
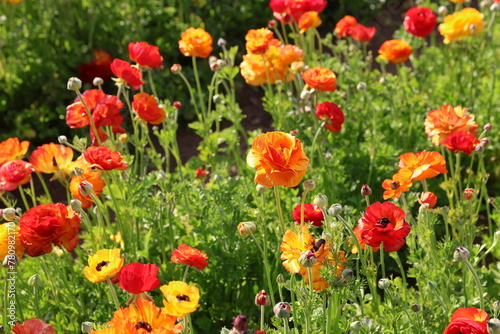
{"points": [[104, 264], [12, 149], [257, 40], [467, 22], [428, 198], [189, 256], [395, 50], [279, 160], [309, 20], [54, 159], [102, 158], [146, 107], [440, 123], [180, 298], [320, 78], [15, 173], [400, 183], [196, 43], [77, 182], [7, 232], [423, 165], [344, 26]]}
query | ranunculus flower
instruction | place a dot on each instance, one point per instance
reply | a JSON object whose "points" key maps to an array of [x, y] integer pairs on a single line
{"points": [[33, 326], [196, 43], [189, 256], [103, 158], [293, 9], [332, 114], [309, 20], [279, 159], [104, 264], [420, 21], [94, 178], [15, 173], [429, 198], [468, 320], [395, 50], [467, 22], [343, 28], [200, 173], [98, 67], [147, 108], [145, 55], [55, 159], [383, 222], [362, 33], [180, 298], [400, 182], [137, 278], [458, 141], [7, 232], [129, 75], [257, 40], [423, 165], [12, 149], [312, 214], [320, 78], [440, 123]]}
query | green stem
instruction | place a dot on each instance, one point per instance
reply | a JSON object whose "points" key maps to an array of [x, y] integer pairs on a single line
{"points": [[23, 197], [113, 293], [151, 83], [185, 274], [382, 261], [278, 205], [44, 186], [89, 116], [262, 317], [478, 283], [313, 146]]}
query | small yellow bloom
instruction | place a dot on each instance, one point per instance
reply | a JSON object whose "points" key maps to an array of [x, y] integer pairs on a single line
{"points": [[104, 264], [180, 298], [467, 22]]}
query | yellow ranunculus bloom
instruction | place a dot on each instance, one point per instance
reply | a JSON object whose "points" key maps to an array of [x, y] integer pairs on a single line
{"points": [[467, 22], [104, 264]]}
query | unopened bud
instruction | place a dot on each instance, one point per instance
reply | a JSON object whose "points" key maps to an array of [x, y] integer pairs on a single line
{"points": [[308, 259], [493, 326], [384, 283], [212, 62], [271, 24], [347, 275], [74, 84], [11, 261], [177, 105], [495, 7], [246, 228], [468, 193], [9, 214], [488, 126], [62, 139], [442, 11], [87, 327], [98, 81], [305, 94], [282, 310], [321, 200], [496, 305], [75, 205], [361, 85], [366, 190], [415, 308], [240, 323], [485, 142], [35, 281], [261, 189], [335, 210], [176, 69], [262, 299], [221, 42], [479, 148], [217, 99], [280, 279], [85, 188], [356, 327], [309, 185], [461, 254]]}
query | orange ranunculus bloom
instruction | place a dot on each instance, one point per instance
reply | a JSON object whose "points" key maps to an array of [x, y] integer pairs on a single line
{"points": [[180, 298], [15, 173], [98, 67], [12, 149], [189, 256], [102, 158], [47, 224], [320, 78], [395, 50], [33, 326], [146, 55], [468, 320], [127, 74], [147, 108], [429, 198], [7, 232], [363, 33], [196, 43], [457, 141], [423, 165], [467, 22], [309, 20], [75, 187], [256, 71], [279, 159], [257, 40], [440, 123], [344, 26], [54, 159], [104, 264], [401, 182]]}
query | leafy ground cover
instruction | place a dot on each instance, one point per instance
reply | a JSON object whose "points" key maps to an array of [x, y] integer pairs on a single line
{"points": [[370, 208]]}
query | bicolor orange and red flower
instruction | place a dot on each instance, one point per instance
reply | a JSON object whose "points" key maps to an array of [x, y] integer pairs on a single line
{"points": [[127, 75], [7, 232], [33, 326], [309, 20], [395, 50], [462, 141], [343, 28], [363, 33], [467, 22], [147, 108], [292, 10], [15, 173], [468, 320], [180, 298], [320, 78], [428, 198], [279, 159], [331, 114], [104, 264], [94, 178], [98, 67], [54, 159], [400, 182], [138, 278], [189, 256], [146, 55], [196, 43], [13, 149], [312, 214], [440, 123], [258, 40], [383, 223], [47, 224], [103, 158], [420, 21], [423, 165]]}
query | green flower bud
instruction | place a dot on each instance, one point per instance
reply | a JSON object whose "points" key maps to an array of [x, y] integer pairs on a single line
{"points": [[461, 254], [384, 283], [321, 200], [74, 84], [87, 327], [35, 281], [9, 214]]}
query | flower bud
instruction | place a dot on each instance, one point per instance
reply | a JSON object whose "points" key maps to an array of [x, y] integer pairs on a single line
{"points": [[85, 188], [442, 11], [488, 126], [261, 189], [321, 200], [123, 138], [246, 228], [280, 279], [384, 283], [87, 327], [176, 69], [262, 299], [495, 7], [347, 275], [177, 105], [78, 171], [9, 214], [308, 259], [485, 142], [212, 62], [305, 94], [271, 24], [282, 310], [493, 326], [366, 190], [240, 323], [98, 81], [461, 254], [415, 308], [11, 261], [468, 193], [221, 42], [74, 83], [479, 148], [35, 281], [217, 99], [75, 205], [62, 139], [309, 185], [335, 210], [355, 327], [361, 85], [19, 212]]}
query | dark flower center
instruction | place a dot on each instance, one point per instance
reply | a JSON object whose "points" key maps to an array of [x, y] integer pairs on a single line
{"points": [[101, 265], [395, 185], [144, 325], [383, 222], [318, 244], [182, 298]]}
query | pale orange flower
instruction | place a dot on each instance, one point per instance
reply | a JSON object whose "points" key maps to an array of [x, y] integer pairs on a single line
{"points": [[400, 183], [320, 78], [55, 159], [309, 20], [440, 123], [467, 22], [279, 159], [257, 40], [12, 149], [196, 43], [423, 165], [395, 50], [75, 187]]}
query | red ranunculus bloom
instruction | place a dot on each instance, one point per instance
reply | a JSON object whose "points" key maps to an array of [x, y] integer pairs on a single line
{"points": [[330, 112], [145, 54], [295, 8], [343, 28], [384, 222], [468, 320], [189, 256], [420, 21], [130, 75], [200, 173], [146, 107], [102, 158], [461, 141], [362, 33], [47, 224], [320, 78], [15, 173], [428, 198], [137, 278], [33, 326], [98, 67], [312, 214]]}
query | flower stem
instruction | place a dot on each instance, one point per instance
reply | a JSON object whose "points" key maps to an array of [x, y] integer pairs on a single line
{"points": [[89, 116], [113, 293], [478, 283], [278, 205], [185, 274]]}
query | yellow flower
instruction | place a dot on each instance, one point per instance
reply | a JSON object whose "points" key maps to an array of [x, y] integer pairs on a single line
{"points": [[9, 233], [180, 298], [104, 264], [467, 22]]}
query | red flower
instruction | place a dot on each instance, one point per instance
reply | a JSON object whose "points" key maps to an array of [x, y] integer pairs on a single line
{"points": [[189, 256], [15, 173], [146, 107], [312, 214], [34, 326], [201, 173], [102, 158], [330, 112], [320, 78], [384, 222], [428, 198], [461, 141], [145, 55], [468, 320], [362, 33], [12, 149], [47, 224], [343, 28], [295, 8], [98, 67], [420, 21], [130, 75], [137, 278]]}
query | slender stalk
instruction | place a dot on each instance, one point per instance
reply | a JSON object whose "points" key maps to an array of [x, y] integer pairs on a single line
{"points": [[44, 186], [89, 116], [382, 260], [278, 205], [262, 317], [113, 293], [478, 283], [184, 278], [151, 83]]}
